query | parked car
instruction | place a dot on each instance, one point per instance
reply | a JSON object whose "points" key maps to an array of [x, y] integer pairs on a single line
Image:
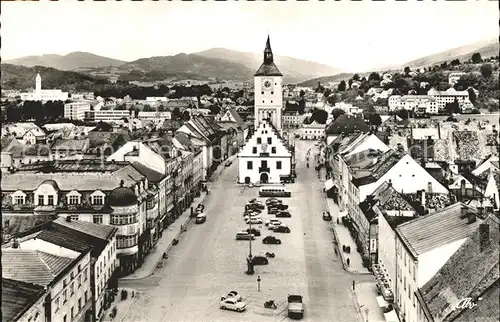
{"points": [[253, 207], [327, 216], [260, 260], [283, 214], [253, 231], [232, 295], [273, 211], [274, 225], [228, 163], [272, 200], [280, 206], [251, 215], [244, 236], [201, 218], [233, 305], [271, 240], [254, 220], [281, 229], [272, 221]]}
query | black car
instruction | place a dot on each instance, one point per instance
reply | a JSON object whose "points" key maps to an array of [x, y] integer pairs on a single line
{"points": [[281, 229], [260, 260], [271, 240], [254, 207], [271, 201], [283, 214], [327, 216], [280, 206], [253, 231]]}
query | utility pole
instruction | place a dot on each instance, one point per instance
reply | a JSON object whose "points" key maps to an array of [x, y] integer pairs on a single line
{"points": [[258, 283]]}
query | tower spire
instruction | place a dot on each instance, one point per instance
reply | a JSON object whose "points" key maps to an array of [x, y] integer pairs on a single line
{"points": [[268, 53]]}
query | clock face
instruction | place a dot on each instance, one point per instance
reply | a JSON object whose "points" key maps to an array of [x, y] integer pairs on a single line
{"points": [[267, 84], [264, 147]]}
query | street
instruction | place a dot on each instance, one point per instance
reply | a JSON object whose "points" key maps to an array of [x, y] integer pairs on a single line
{"points": [[208, 262]]}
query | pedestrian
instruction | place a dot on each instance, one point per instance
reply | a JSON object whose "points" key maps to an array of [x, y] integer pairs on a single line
{"points": [[353, 285], [348, 261], [338, 221]]}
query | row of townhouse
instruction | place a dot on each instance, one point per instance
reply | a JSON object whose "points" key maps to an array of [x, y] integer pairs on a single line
{"points": [[431, 103], [59, 271]]}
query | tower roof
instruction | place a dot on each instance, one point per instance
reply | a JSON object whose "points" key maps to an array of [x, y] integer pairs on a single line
{"points": [[268, 68]]}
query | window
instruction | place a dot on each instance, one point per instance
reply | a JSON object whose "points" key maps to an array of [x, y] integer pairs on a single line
{"points": [[73, 200], [405, 282], [273, 149], [79, 281], [72, 289], [72, 275], [409, 291], [74, 217], [41, 200], [85, 297], [64, 318], [272, 93], [278, 164], [126, 241], [79, 304], [72, 312], [97, 219], [56, 304], [123, 220], [98, 200], [254, 149], [65, 283], [50, 200], [85, 274], [65, 296], [259, 140], [19, 200], [262, 92], [269, 140]]}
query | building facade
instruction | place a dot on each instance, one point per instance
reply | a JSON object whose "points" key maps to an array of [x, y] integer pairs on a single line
{"points": [[76, 110]]}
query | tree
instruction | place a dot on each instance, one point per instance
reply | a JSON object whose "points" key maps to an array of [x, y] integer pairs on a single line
{"points": [[176, 114], [374, 77], [355, 77], [350, 83], [148, 108], [342, 86], [319, 116], [375, 119], [455, 62], [476, 58], [407, 70], [472, 95], [301, 106], [486, 70], [331, 99], [319, 89], [302, 93], [13, 113], [336, 112], [214, 109], [452, 107], [186, 116], [403, 114], [327, 92]]}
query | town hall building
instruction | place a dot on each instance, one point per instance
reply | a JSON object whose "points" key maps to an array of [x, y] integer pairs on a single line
{"points": [[266, 158]]}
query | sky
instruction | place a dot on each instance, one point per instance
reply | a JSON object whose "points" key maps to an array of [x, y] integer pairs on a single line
{"points": [[352, 36]]}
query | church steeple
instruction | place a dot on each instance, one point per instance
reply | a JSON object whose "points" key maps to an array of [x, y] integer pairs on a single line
{"points": [[268, 53]]}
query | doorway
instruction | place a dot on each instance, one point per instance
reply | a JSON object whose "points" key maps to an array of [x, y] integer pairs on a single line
{"points": [[264, 177], [247, 180]]}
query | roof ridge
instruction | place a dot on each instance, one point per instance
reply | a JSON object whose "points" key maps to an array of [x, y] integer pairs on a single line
{"points": [[38, 253]]}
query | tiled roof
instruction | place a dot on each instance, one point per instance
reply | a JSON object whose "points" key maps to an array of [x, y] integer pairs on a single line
{"points": [[183, 138], [152, 175], [471, 272], [70, 145], [19, 224], [32, 266], [432, 201], [347, 124], [18, 297], [66, 182], [269, 69], [395, 221], [384, 162], [100, 231], [18, 151], [389, 199], [443, 227], [64, 238], [237, 118]]}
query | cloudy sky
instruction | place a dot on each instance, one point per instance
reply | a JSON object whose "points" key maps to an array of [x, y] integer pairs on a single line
{"points": [[353, 36]]}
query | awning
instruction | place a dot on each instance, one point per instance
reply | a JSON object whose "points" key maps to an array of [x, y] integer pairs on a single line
{"points": [[391, 316], [328, 184], [381, 302]]}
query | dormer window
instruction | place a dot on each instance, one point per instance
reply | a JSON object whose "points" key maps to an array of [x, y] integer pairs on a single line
{"points": [[98, 200], [18, 198]]}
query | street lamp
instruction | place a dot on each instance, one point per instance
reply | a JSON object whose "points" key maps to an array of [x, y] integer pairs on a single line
{"points": [[250, 269]]}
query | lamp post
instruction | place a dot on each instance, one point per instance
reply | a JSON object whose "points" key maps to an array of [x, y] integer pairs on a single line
{"points": [[258, 283], [250, 270]]}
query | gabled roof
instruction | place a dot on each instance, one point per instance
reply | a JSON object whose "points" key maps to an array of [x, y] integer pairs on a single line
{"points": [[237, 118], [389, 199], [19, 151], [64, 238], [443, 227], [384, 162], [152, 175], [32, 266], [471, 272], [18, 297], [269, 69], [347, 124]]}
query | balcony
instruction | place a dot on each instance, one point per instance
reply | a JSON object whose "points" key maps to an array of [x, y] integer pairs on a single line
{"points": [[264, 169], [152, 210], [128, 230]]}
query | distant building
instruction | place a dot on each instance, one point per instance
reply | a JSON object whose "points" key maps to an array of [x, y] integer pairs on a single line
{"points": [[107, 115], [292, 119], [44, 94], [76, 110], [155, 117], [448, 96], [312, 131]]}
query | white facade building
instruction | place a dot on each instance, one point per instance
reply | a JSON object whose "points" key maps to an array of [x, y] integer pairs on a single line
{"points": [[313, 131], [44, 94], [107, 115], [264, 158], [155, 117], [448, 96], [76, 110]]}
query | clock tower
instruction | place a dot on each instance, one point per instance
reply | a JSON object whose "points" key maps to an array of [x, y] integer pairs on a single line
{"points": [[268, 93]]}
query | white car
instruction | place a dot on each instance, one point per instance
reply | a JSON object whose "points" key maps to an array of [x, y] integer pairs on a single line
{"points": [[273, 225], [252, 215], [233, 305], [231, 295], [254, 220], [272, 221]]}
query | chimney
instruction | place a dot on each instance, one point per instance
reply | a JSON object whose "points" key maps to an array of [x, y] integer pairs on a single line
{"points": [[464, 211], [484, 236], [471, 218], [68, 218]]}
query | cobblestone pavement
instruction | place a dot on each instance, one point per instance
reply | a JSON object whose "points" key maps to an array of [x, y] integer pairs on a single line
{"points": [[209, 262]]}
